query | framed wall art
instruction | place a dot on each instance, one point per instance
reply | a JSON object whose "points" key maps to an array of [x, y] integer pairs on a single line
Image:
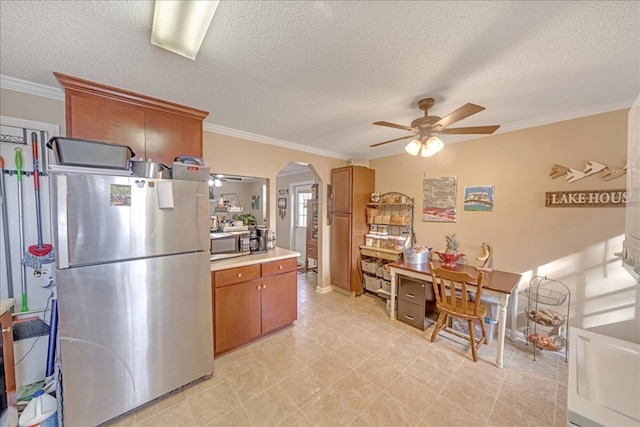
{"points": [[479, 198], [439, 201]]}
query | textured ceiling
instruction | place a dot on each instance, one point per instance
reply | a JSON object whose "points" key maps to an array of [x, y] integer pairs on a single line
{"points": [[318, 73]]}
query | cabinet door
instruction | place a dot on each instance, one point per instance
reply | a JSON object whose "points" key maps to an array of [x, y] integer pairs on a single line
{"points": [[237, 315], [90, 117], [279, 301], [169, 135], [342, 184], [341, 251]]}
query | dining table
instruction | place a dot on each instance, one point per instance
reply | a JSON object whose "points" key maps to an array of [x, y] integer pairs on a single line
{"points": [[501, 284]]}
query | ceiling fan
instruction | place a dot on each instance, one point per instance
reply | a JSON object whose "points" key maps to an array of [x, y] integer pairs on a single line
{"points": [[428, 125], [217, 179]]}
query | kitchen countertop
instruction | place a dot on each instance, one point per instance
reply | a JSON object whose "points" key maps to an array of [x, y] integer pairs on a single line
{"points": [[6, 304], [241, 261]]}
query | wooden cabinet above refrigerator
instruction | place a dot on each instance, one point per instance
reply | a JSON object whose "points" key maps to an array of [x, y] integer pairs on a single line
{"points": [[155, 129]]}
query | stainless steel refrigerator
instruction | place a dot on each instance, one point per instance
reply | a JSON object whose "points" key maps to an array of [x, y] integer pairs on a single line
{"points": [[133, 286]]}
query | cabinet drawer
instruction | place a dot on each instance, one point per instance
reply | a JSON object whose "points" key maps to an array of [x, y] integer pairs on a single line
{"points": [[235, 275], [312, 250], [280, 266], [411, 314], [387, 254], [412, 290]]}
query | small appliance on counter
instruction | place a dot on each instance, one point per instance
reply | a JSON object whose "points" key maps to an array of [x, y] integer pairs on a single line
{"points": [[229, 244], [258, 240]]}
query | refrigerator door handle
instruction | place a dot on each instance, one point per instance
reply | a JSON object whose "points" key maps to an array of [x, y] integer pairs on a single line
{"points": [[63, 235]]}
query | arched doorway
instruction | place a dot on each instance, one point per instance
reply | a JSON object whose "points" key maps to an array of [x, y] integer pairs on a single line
{"points": [[297, 185]]}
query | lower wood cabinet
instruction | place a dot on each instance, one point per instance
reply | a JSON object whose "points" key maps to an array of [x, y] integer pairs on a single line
{"points": [[10, 397], [251, 301], [279, 297], [237, 315]]}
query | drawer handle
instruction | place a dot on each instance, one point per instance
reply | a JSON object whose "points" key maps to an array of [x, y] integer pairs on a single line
{"points": [[7, 330], [239, 274], [408, 317], [279, 267], [410, 295]]}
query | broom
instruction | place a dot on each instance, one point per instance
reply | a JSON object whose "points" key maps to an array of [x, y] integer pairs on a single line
{"points": [[41, 253]]}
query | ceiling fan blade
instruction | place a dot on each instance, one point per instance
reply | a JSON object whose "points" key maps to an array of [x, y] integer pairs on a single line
{"points": [[461, 113], [392, 140], [395, 126], [469, 130]]}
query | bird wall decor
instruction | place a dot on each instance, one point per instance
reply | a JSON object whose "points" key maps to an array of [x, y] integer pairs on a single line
{"points": [[607, 172]]}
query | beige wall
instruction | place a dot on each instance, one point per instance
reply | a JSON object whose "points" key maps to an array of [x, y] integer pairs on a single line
{"points": [[236, 156], [573, 245], [30, 107]]}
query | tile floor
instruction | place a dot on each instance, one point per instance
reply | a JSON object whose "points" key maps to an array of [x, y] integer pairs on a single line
{"points": [[344, 363]]}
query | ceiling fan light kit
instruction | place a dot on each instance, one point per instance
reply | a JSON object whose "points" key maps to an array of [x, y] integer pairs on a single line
{"points": [[413, 147], [427, 144], [180, 26]]}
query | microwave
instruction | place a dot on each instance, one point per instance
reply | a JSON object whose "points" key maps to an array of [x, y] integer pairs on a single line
{"points": [[228, 244]]}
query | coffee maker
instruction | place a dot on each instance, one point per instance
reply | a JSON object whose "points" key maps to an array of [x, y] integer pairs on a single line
{"points": [[258, 240]]}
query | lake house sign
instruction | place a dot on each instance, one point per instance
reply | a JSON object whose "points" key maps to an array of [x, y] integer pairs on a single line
{"points": [[587, 198]]}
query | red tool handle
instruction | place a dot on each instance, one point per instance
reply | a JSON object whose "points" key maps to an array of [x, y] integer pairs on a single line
{"points": [[34, 150]]}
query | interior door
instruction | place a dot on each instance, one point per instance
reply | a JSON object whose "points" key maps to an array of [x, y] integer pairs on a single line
{"points": [[301, 194]]}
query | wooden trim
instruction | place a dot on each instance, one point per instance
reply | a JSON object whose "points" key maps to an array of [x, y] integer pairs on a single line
{"points": [[70, 83]]}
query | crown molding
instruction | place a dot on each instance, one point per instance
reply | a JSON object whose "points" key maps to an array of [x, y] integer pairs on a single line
{"points": [[31, 88], [37, 89], [271, 141], [565, 115]]}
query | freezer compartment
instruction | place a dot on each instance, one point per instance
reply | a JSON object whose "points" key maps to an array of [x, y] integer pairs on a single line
{"points": [[131, 332], [101, 218]]}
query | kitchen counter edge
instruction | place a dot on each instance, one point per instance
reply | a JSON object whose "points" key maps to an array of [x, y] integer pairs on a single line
{"points": [[241, 261], [6, 304]]}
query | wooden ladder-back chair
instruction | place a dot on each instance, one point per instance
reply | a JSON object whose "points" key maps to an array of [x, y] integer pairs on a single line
{"points": [[454, 299]]}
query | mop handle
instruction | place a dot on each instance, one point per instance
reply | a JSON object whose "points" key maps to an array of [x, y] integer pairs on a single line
{"points": [[5, 229], [36, 185], [23, 270]]}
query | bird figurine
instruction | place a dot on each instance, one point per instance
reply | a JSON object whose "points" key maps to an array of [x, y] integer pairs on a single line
{"points": [[485, 257]]}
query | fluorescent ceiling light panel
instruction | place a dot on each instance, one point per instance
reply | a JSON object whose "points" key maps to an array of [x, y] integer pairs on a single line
{"points": [[180, 26]]}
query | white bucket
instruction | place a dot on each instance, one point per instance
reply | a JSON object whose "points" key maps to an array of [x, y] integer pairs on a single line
{"points": [[41, 410]]}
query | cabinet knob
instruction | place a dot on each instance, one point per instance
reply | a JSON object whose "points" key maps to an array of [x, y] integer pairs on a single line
{"points": [[258, 287], [279, 267], [239, 274], [7, 330], [264, 286]]}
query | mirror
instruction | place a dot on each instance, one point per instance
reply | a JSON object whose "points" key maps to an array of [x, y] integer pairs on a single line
{"points": [[243, 197]]}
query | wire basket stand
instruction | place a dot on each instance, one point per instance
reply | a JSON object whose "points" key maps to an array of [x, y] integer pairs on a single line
{"points": [[547, 313]]}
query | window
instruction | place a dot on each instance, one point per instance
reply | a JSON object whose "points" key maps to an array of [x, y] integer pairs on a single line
{"points": [[302, 208]]}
